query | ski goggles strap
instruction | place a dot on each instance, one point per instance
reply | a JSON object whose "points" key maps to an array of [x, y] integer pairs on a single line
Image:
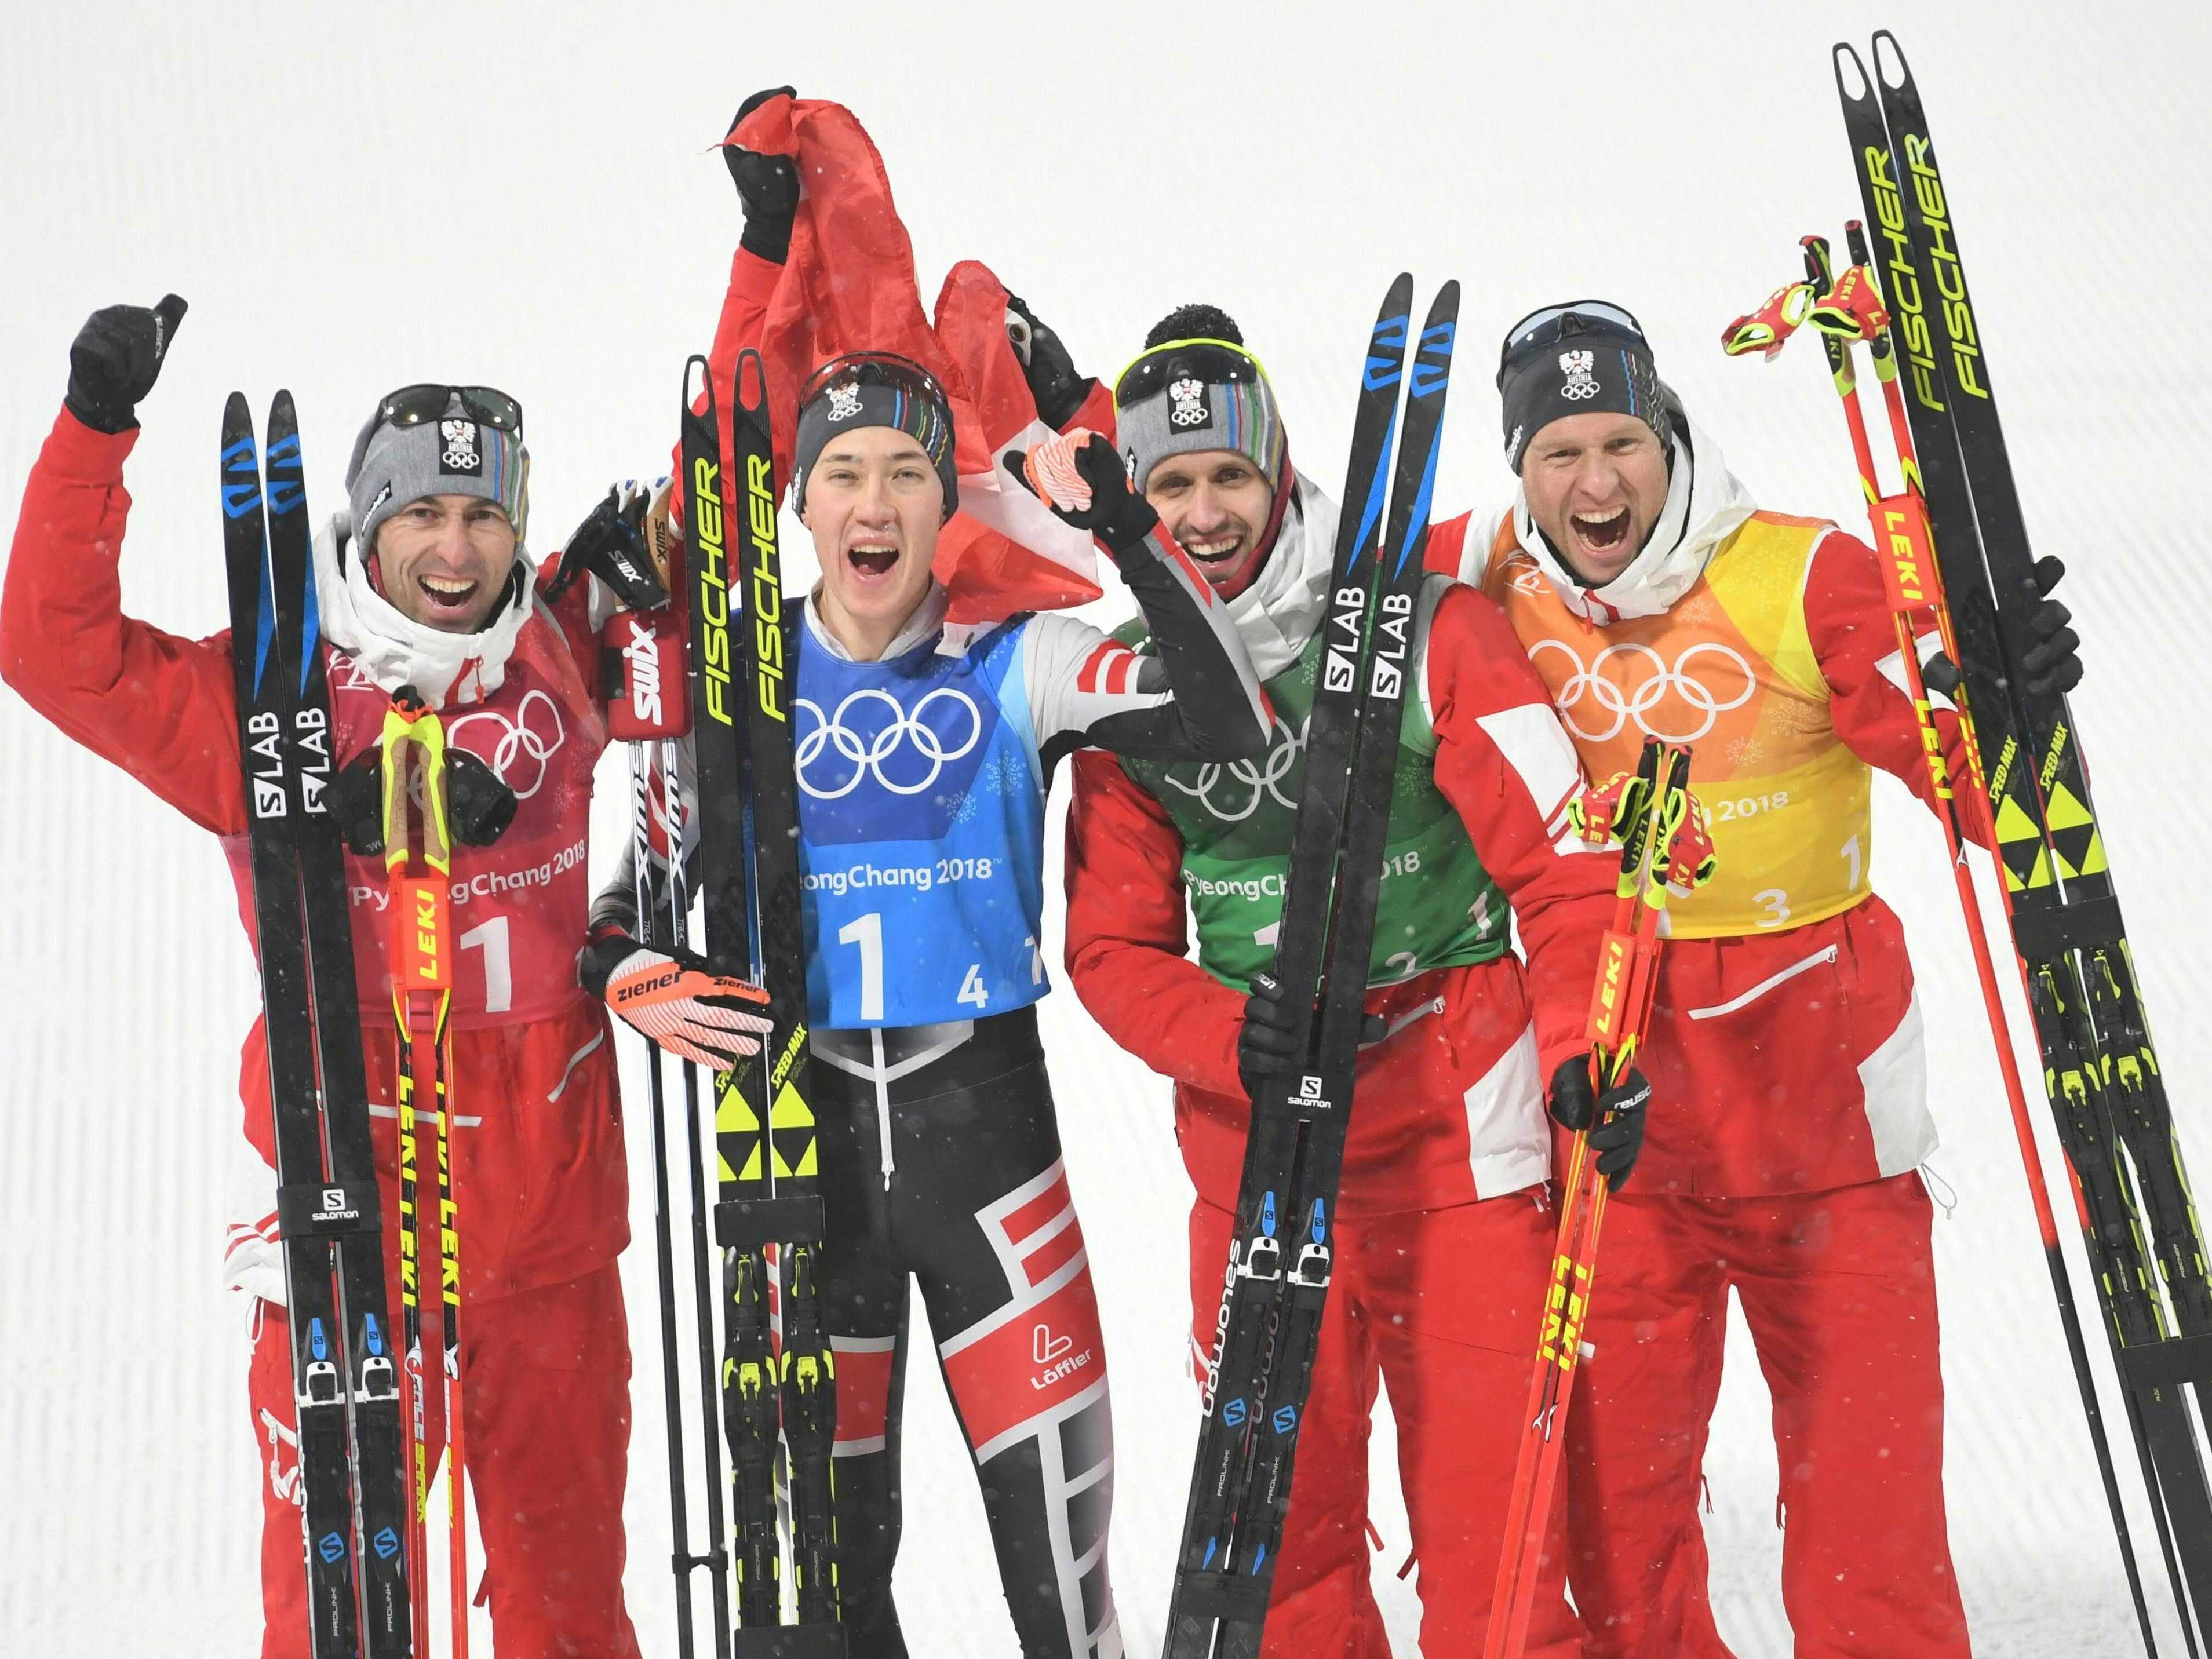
{"points": [[1217, 362], [1547, 326]]}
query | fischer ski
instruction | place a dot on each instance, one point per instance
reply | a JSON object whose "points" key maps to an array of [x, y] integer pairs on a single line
{"points": [[1280, 1252], [2107, 1093], [345, 1381], [778, 1399]]}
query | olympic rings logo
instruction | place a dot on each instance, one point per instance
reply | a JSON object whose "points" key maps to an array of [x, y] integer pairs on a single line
{"points": [[866, 754], [520, 740], [1259, 776], [1587, 688]]}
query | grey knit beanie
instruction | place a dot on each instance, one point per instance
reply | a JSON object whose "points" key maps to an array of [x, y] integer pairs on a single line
{"points": [[459, 455]]}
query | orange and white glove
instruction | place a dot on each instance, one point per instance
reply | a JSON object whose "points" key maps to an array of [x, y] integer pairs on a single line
{"points": [[672, 998]]}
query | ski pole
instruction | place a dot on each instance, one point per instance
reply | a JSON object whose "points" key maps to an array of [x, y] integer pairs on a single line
{"points": [[650, 893], [675, 824], [418, 864], [1663, 841]]}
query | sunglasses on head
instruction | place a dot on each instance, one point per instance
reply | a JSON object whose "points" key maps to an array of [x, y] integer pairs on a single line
{"points": [[1217, 362], [1547, 327], [419, 405]]}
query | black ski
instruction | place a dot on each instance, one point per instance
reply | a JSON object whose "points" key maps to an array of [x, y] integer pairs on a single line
{"points": [[2106, 1091], [1281, 1251], [764, 1125], [328, 1214]]}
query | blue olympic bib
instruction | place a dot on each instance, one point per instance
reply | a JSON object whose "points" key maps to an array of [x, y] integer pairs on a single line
{"points": [[922, 835]]}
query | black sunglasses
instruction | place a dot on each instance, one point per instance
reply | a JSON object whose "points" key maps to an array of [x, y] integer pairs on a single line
{"points": [[419, 405]]}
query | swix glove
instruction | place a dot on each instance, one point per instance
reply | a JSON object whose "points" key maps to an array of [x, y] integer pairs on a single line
{"points": [[115, 360], [611, 545], [672, 997], [1613, 1118], [478, 803], [767, 187], [1080, 477]]}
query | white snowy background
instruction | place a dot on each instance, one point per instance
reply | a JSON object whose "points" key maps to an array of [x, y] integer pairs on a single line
{"points": [[357, 197]]}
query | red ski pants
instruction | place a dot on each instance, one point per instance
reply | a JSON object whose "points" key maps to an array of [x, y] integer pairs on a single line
{"points": [[1443, 1305], [545, 1378], [1838, 1290]]}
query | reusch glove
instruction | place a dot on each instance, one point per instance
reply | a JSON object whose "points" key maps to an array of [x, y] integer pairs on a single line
{"points": [[611, 544], [1267, 1046], [671, 997], [2054, 666], [1613, 1120], [767, 187], [478, 803], [115, 359], [1080, 477], [1054, 383]]}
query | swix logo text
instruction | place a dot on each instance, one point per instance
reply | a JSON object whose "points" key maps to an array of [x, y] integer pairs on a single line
{"points": [[642, 659]]}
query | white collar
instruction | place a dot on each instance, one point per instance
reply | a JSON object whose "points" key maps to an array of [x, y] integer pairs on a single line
{"points": [[446, 668], [923, 624]]}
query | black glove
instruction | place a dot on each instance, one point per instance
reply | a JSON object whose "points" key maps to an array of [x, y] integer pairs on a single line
{"points": [[1268, 1047], [478, 805], [2054, 666], [1059, 390], [611, 544], [1618, 1116], [114, 361], [767, 187], [1083, 481]]}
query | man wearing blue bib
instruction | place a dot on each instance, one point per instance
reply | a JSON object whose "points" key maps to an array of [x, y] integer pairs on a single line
{"points": [[924, 751]]}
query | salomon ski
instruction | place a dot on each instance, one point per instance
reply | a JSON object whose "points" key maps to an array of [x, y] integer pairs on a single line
{"points": [[344, 1374], [1280, 1253]]}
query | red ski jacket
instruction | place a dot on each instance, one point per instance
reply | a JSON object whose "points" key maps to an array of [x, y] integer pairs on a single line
{"points": [[538, 1156]]}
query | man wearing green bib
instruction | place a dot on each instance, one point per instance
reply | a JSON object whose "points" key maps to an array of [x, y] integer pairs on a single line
{"points": [[1443, 1227]]}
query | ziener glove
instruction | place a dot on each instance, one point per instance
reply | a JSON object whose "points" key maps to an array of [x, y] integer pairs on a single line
{"points": [[1079, 476], [1613, 1120], [711, 1019], [767, 187], [115, 360]]}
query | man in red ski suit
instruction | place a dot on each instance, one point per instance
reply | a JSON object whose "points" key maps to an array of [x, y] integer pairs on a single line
{"points": [[1443, 1230], [1780, 1159], [426, 581]]}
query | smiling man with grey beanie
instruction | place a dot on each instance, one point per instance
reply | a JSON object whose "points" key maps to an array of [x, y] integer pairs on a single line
{"points": [[423, 582]]}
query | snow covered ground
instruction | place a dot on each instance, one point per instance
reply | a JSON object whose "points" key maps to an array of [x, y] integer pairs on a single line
{"points": [[355, 197]]}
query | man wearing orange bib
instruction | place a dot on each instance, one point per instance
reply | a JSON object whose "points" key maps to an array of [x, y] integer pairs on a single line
{"points": [[1786, 1046]]}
